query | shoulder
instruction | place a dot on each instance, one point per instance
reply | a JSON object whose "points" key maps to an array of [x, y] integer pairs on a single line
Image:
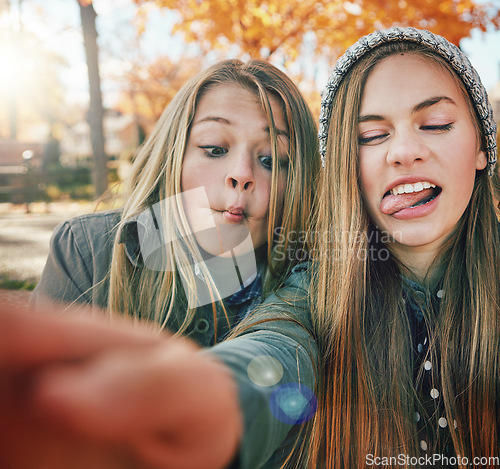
{"points": [[79, 259], [90, 232], [93, 223], [86, 242], [296, 287], [300, 276], [287, 307]]}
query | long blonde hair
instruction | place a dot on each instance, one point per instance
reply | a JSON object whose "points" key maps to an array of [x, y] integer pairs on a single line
{"points": [[155, 295], [366, 396]]}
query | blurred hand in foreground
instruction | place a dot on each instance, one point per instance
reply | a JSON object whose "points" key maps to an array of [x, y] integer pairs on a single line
{"points": [[78, 392]]}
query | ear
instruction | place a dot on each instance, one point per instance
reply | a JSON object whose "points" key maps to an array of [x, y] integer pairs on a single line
{"points": [[481, 160]]}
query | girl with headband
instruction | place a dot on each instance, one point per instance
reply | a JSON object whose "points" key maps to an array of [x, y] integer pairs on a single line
{"points": [[406, 290]]}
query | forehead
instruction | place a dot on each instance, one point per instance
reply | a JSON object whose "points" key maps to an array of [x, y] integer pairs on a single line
{"points": [[233, 98], [408, 79]]}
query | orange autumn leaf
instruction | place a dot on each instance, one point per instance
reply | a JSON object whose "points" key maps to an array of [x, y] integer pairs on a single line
{"points": [[262, 28]]}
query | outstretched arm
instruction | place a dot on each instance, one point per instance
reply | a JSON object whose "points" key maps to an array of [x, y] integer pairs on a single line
{"points": [[77, 391], [273, 360]]}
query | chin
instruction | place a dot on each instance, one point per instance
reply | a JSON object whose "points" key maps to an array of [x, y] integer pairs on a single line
{"points": [[418, 238]]}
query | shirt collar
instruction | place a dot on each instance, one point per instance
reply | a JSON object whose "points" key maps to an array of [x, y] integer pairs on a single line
{"points": [[250, 292], [418, 297], [129, 237]]}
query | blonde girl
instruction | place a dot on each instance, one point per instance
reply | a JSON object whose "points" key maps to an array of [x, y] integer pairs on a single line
{"points": [[232, 159], [243, 134], [406, 295]]}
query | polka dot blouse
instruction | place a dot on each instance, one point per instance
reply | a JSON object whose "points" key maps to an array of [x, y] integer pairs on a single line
{"points": [[432, 424]]}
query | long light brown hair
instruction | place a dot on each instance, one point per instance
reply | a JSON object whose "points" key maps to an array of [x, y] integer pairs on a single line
{"points": [[367, 397], [156, 175]]}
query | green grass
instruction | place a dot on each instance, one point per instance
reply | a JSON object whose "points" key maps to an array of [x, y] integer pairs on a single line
{"points": [[7, 283]]}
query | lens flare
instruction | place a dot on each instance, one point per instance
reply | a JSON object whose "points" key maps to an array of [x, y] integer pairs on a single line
{"points": [[293, 403]]}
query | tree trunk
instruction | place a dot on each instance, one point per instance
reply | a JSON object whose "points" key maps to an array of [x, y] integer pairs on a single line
{"points": [[96, 112]]}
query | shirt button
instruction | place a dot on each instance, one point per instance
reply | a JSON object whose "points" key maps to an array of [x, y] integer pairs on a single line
{"points": [[202, 325], [420, 295]]}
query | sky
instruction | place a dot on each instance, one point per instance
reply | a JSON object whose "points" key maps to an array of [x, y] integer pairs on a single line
{"points": [[60, 30]]}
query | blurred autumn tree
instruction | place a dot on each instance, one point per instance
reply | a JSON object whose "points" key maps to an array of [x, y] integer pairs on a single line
{"points": [[261, 28], [150, 89], [96, 111]]}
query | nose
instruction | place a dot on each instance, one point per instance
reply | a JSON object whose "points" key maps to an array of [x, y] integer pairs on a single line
{"points": [[240, 175], [407, 149]]}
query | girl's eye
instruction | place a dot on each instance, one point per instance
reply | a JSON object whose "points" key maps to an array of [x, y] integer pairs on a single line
{"points": [[213, 151], [372, 140], [266, 161], [438, 128]]}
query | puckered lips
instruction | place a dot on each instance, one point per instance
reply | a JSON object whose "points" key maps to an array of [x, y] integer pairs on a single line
{"points": [[234, 214], [408, 199]]}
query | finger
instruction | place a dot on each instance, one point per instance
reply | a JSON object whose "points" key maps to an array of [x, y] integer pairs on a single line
{"points": [[114, 396], [171, 406], [202, 424], [29, 338]]}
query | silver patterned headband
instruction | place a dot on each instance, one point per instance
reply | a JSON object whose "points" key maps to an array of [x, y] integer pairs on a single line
{"points": [[451, 53]]}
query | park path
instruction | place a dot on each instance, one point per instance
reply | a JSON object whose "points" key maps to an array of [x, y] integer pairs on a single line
{"points": [[24, 242]]}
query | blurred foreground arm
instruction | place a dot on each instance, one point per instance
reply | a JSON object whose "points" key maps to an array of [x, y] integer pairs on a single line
{"points": [[77, 392], [274, 360]]}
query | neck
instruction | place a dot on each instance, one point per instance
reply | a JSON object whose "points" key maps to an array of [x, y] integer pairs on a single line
{"points": [[419, 261]]}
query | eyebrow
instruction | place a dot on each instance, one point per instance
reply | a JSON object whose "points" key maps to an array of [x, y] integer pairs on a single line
{"points": [[423, 105], [222, 120], [431, 101]]}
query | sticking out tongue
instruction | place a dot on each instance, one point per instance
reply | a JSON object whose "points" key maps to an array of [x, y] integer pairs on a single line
{"points": [[394, 203]]}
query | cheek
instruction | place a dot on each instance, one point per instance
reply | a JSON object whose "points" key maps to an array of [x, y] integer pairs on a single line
{"points": [[186, 179], [280, 197], [464, 178], [367, 179], [263, 194], [462, 164], [197, 174]]}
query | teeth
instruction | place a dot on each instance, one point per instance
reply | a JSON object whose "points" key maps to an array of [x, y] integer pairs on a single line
{"points": [[410, 188]]}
